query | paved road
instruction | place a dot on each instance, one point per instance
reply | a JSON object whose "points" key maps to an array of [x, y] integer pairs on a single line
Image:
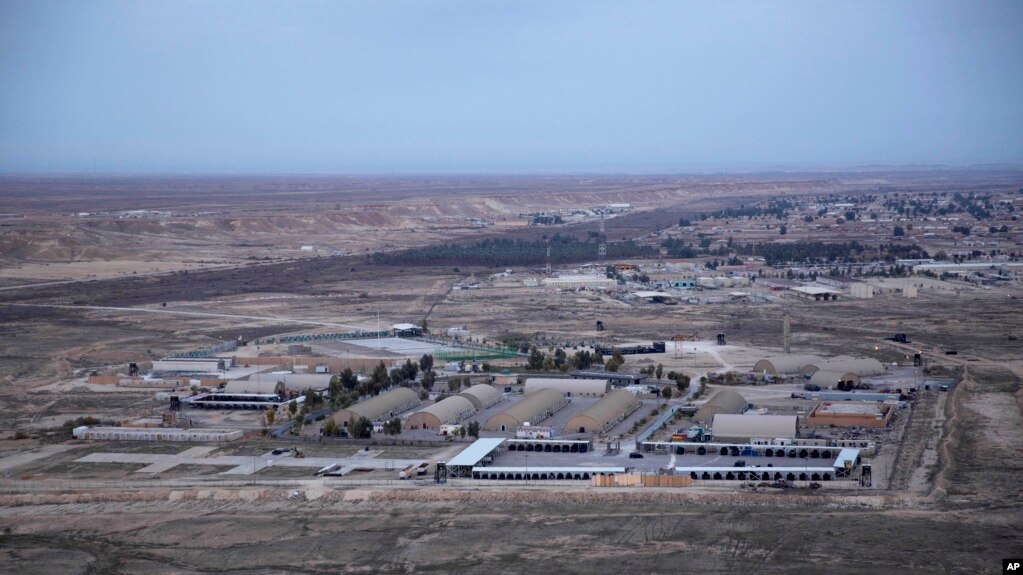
{"points": [[201, 314], [19, 459]]}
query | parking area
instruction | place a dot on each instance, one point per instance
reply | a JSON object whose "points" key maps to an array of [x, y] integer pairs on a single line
{"points": [[650, 461]]}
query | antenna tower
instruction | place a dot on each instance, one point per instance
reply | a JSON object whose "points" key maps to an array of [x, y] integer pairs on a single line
{"points": [[548, 257], [787, 332]]}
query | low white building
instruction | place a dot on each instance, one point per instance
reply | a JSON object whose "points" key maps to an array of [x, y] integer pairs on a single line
{"points": [[569, 387], [580, 281], [192, 365], [155, 434]]}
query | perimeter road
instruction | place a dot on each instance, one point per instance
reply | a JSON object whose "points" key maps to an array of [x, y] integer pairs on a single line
{"points": [[197, 314]]}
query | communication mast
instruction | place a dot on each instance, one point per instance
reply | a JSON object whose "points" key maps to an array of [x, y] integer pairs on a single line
{"points": [[548, 257], [787, 332]]}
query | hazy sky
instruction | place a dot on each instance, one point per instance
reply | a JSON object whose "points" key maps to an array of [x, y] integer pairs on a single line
{"points": [[434, 86]]}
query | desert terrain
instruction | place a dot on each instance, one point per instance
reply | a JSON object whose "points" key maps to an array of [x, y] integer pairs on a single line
{"points": [[98, 273]]}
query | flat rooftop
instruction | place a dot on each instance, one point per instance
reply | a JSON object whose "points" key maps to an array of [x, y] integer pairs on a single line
{"points": [[815, 290], [850, 408], [390, 345]]}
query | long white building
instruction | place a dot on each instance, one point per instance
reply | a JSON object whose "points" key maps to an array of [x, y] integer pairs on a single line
{"points": [[155, 434]]}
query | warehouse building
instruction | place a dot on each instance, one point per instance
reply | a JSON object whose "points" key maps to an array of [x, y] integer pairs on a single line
{"points": [[447, 411], [611, 410], [570, 387], [617, 378], [479, 454], [406, 330], [482, 396], [534, 409], [827, 379], [849, 414], [258, 401], [725, 401], [785, 364], [240, 387], [280, 383], [863, 367], [379, 408], [155, 434], [580, 281], [191, 365], [544, 473], [753, 428], [295, 381]]}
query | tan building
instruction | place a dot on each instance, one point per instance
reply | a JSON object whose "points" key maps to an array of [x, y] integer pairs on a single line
{"points": [[744, 428], [863, 366], [725, 401], [482, 396], [611, 410], [447, 411], [851, 414], [533, 409], [379, 408], [785, 364], [827, 379], [571, 387]]}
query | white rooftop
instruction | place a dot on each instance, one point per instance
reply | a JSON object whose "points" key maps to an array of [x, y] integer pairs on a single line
{"points": [[474, 453], [815, 290], [646, 294]]}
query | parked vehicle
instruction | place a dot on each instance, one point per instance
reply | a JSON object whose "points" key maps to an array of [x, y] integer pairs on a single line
{"points": [[635, 455]]}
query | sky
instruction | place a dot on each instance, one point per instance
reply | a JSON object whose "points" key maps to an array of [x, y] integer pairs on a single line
{"points": [[495, 86]]}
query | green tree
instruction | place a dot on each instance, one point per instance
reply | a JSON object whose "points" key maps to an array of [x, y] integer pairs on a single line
{"points": [[335, 388], [380, 378], [560, 357], [898, 232], [535, 360], [360, 428], [312, 399], [783, 229], [424, 327], [329, 427], [426, 363], [429, 378], [292, 407], [348, 379], [474, 429], [659, 371], [666, 392], [409, 370], [454, 384], [393, 426]]}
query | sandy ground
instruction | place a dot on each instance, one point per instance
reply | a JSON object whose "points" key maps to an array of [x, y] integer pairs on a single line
{"points": [[28, 273], [954, 505]]}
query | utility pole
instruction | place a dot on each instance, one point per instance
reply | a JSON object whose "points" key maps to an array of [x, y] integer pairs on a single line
{"points": [[787, 334], [548, 257]]}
